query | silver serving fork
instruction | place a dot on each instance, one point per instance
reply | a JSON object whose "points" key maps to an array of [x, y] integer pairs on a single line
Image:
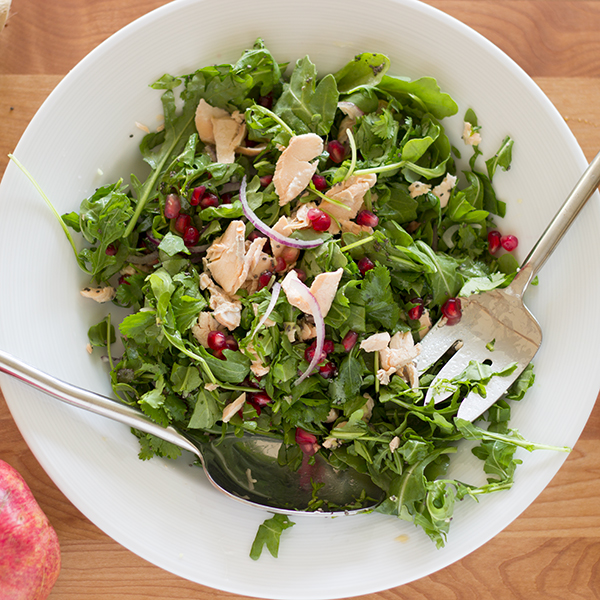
{"points": [[496, 328]]}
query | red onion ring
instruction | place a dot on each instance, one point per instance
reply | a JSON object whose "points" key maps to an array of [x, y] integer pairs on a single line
{"points": [[274, 296], [264, 228], [295, 286]]}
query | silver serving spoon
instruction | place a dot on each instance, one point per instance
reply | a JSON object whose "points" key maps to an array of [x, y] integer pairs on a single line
{"points": [[245, 468]]}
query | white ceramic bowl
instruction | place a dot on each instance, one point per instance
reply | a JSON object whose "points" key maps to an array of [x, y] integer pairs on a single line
{"points": [[165, 511]]}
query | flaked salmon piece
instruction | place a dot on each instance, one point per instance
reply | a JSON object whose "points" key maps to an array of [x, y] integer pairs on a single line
{"points": [[444, 189], [233, 407], [264, 262], [307, 331], [286, 226], [227, 258], [294, 170], [268, 322], [250, 151], [410, 374], [418, 188], [324, 288], [290, 281], [229, 134], [99, 294], [352, 227], [205, 113], [376, 342], [401, 351], [384, 375], [350, 193], [257, 367], [226, 310], [205, 324], [470, 137], [225, 131]]}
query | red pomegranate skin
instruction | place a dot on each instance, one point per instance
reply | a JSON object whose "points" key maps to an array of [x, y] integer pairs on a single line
{"points": [[29, 547]]}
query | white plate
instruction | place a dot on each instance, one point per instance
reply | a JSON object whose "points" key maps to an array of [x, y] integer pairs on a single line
{"points": [[80, 138]]}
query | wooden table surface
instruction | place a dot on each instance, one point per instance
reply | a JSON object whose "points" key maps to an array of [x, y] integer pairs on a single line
{"points": [[553, 549]]}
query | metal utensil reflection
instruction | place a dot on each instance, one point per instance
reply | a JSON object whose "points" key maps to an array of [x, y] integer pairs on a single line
{"points": [[244, 468]]}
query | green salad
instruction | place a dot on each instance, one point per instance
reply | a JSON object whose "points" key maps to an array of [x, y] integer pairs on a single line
{"points": [[294, 240]]}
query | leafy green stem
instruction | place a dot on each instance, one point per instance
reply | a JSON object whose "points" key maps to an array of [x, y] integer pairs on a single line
{"points": [[47, 200], [381, 169], [358, 243]]}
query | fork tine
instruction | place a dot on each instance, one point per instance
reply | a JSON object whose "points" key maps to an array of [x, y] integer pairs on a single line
{"points": [[455, 366], [475, 405], [435, 344]]}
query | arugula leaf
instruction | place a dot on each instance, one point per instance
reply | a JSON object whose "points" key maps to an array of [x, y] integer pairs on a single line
{"points": [[502, 158], [305, 105], [269, 535], [424, 90], [367, 69]]}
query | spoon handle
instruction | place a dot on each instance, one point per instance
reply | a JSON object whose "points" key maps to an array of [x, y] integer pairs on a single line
{"points": [[96, 403]]}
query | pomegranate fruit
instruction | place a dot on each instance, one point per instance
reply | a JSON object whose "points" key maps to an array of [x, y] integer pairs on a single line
{"points": [[29, 547]]}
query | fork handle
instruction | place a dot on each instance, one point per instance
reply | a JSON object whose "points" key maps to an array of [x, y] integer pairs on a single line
{"points": [[555, 231]]}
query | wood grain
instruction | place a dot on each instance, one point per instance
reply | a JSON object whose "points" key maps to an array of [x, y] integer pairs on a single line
{"points": [[553, 549]]}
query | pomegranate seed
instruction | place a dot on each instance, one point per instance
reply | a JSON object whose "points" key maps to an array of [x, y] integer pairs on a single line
{"points": [[226, 198], [319, 182], [255, 234], [216, 340], [264, 279], [231, 343], [280, 265], [219, 354], [301, 275], [319, 220], [260, 399], [350, 340], [265, 180], [197, 195], [365, 264], [494, 238], [209, 199], [367, 218], [452, 310], [328, 346], [328, 370], [416, 312], [123, 280], [307, 441], [111, 250], [191, 236], [336, 150], [182, 223], [290, 255], [309, 353], [509, 242], [172, 206]]}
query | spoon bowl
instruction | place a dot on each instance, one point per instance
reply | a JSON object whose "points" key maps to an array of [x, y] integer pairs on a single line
{"points": [[245, 468]]}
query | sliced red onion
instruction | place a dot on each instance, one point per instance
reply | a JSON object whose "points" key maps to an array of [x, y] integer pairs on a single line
{"points": [[293, 288], [264, 228], [274, 296]]}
